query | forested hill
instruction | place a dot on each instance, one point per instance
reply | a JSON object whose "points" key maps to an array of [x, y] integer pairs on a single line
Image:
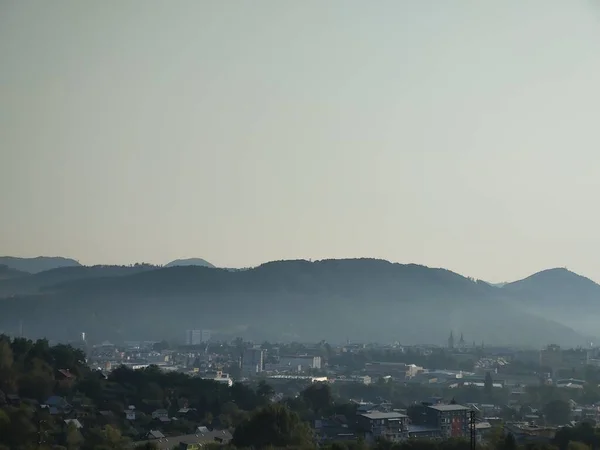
{"points": [[361, 299], [37, 264]]}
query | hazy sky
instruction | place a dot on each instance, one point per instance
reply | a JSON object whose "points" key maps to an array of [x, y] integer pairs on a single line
{"points": [[457, 134]]}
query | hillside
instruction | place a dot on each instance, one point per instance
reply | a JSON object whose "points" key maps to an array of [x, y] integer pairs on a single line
{"points": [[559, 294], [189, 262], [7, 273], [38, 264], [52, 279], [293, 300]]}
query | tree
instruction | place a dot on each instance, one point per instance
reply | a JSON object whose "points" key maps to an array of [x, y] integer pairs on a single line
{"points": [[264, 391], [7, 379], [73, 438], [273, 425], [574, 445], [147, 446], [557, 412], [318, 396], [510, 443]]}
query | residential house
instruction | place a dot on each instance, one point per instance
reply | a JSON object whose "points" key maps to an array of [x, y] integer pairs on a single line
{"points": [[333, 429], [74, 422], [391, 426], [57, 405], [130, 413], [154, 434], [160, 414], [190, 441]]}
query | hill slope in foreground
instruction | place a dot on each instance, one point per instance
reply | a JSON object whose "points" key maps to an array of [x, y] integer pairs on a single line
{"points": [[360, 299]]}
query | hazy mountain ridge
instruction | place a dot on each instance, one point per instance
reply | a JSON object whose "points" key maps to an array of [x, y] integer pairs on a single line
{"points": [[189, 262], [7, 273], [559, 294], [37, 264], [366, 299], [54, 278]]}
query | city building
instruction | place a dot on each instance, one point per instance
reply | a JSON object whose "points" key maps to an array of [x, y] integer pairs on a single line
{"points": [[551, 358], [450, 420], [526, 432], [300, 363], [193, 337], [252, 361], [391, 426]]}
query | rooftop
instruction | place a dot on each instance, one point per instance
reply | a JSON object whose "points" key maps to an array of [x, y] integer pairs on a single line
{"points": [[384, 415], [445, 408]]}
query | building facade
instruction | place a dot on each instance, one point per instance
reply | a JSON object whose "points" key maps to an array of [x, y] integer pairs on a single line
{"points": [[252, 361], [391, 426], [193, 337]]}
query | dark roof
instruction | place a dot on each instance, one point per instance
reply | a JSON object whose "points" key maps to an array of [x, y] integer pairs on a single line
{"points": [[155, 434], [444, 408], [167, 443], [383, 415]]}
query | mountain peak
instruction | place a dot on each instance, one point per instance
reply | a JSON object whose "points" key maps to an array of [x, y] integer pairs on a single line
{"points": [[37, 264], [190, 262], [557, 275]]}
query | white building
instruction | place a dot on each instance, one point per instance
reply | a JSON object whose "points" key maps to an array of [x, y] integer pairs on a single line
{"points": [[299, 363]]}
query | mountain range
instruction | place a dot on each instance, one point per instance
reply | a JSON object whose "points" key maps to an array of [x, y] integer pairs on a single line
{"points": [[359, 299]]}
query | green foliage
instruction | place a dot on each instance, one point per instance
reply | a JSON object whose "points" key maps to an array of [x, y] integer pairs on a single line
{"points": [[273, 425], [557, 412], [574, 445], [318, 396]]}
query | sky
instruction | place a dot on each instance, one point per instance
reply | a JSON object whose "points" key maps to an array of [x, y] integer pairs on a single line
{"points": [[458, 134]]}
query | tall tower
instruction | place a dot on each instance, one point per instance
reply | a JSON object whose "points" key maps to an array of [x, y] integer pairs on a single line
{"points": [[461, 343], [451, 340]]}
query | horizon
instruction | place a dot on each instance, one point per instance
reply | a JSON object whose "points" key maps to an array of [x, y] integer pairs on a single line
{"points": [[458, 135], [311, 260]]}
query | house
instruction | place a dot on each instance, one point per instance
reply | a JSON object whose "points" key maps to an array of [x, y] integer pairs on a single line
{"points": [[189, 441], [74, 422], [155, 434], [333, 429], [130, 413], [57, 402], [108, 417], [65, 374], [160, 414], [392, 426]]}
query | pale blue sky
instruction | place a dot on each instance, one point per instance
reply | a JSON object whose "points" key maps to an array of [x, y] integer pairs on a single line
{"points": [[457, 134]]}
